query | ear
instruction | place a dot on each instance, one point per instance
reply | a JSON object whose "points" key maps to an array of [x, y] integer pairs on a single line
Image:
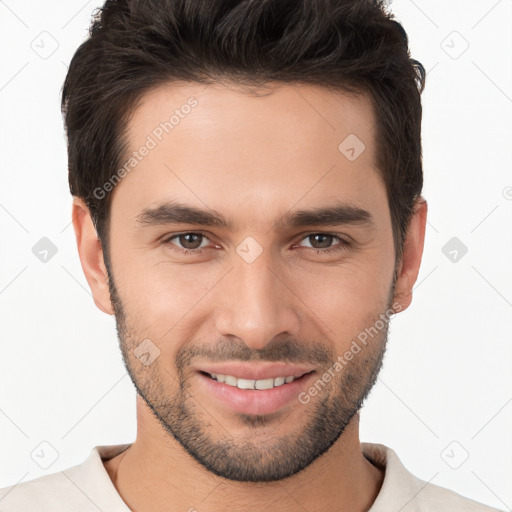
{"points": [[409, 267], [91, 255]]}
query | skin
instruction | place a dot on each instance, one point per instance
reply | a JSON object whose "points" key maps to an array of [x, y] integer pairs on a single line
{"points": [[213, 159]]}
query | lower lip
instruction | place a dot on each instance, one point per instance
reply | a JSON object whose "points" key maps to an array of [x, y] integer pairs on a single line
{"points": [[254, 401]]}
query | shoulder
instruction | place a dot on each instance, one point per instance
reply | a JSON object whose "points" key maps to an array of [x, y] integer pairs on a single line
{"points": [[439, 499], [401, 490], [85, 487], [54, 492]]}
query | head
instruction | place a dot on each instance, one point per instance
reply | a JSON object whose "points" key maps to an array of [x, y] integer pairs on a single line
{"points": [[295, 128]]}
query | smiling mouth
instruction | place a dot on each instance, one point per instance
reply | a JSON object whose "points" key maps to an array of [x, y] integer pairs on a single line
{"points": [[259, 384]]}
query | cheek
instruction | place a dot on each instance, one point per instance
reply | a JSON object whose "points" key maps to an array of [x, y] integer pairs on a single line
{"points": [[164, 299], [346, 299]]}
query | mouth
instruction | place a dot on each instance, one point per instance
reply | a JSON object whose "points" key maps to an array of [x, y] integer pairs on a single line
{"points": [[254, 389], [259, 384]]}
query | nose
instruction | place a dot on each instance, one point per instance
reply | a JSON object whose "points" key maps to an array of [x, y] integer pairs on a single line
{"points": [[256, 303]]}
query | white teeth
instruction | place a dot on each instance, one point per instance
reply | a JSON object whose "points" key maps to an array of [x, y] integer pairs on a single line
{"points": [[230, 380], [245, 383], [264, 383], [251, 383]]}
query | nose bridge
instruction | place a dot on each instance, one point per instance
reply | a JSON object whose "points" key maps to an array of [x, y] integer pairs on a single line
{"points": [[255, 304]]}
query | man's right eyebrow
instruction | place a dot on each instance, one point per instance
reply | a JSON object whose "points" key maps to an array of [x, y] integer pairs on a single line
{"points": [[176, 213]]}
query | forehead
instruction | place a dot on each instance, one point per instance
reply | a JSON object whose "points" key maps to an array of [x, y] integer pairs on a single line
{"points": [[296, 113], [223, 146]]}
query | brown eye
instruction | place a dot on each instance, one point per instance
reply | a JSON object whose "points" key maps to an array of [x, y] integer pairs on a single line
{"points": [[187, 242], [190, 240], [324, 241]]}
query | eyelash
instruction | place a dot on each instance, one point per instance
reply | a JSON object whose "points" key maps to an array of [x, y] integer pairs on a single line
{"points": [[340, 247]]}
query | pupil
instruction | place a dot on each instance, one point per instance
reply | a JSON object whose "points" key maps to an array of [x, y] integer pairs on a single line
{"points": [[195, 246], [328, 237]]}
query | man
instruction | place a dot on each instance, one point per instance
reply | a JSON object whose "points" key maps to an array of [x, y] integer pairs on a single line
{"points": [[247, 202]]}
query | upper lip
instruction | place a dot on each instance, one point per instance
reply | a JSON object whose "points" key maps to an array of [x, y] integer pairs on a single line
{"points": [[256, 370]]}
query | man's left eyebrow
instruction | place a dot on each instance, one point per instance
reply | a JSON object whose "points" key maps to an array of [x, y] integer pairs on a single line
{"points": [[335, 215]]}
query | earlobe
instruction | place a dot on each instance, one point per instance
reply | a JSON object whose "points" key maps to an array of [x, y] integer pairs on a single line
{"points": [[409, 267], [91, 255]]}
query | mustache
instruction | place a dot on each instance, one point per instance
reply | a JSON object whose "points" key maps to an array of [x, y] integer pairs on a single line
{"points": [[277, 350]]}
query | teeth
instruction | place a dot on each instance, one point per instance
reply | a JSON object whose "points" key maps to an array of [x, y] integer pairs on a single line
{"points": [[245, 383], [230, 380], [279, 381], [264, 384], [251, 383]]}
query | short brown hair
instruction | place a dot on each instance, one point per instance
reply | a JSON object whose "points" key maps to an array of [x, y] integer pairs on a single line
{"points": [[345, 45]]}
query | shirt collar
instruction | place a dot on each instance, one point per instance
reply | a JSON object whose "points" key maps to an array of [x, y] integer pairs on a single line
{"points": [[398, 491]]}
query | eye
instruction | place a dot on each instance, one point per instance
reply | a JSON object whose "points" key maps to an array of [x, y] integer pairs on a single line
{"points": [[325, 240], [190, 242]]}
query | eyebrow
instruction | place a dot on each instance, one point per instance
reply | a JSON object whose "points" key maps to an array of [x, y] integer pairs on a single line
{"points": [[176, 213]]}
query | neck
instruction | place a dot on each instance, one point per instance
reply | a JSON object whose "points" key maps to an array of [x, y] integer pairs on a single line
{"points": [[155, 473]]}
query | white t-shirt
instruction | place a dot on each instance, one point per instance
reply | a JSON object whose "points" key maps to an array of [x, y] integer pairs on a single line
{"points": [[87, 487]]}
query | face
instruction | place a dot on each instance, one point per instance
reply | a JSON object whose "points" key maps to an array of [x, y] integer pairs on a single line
{"points": [[226, 278]]}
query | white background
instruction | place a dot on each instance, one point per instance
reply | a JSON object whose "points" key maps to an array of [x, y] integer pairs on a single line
{"points": [[447, 373]]}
